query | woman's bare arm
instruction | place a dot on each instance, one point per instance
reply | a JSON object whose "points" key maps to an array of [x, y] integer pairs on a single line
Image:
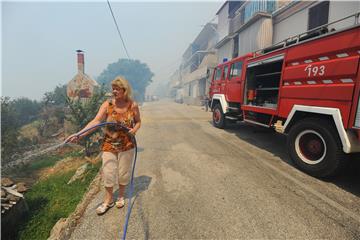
{"points": [[137, 119], [100, 117]]}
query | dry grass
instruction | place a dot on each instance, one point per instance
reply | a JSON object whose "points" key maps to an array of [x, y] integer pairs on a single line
{"points": [[30, 130], [65, 165]]}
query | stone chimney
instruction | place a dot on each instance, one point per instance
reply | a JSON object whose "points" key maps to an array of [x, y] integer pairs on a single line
{"points": [[81, 86], [80, 61]]}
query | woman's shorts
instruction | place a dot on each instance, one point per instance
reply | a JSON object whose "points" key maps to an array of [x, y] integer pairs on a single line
{"points": [[116, 167]]}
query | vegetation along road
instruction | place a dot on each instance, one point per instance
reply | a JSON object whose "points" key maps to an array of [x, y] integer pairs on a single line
{"points": [[196, 181]]}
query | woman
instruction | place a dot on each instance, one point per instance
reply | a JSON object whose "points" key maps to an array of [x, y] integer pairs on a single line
{"points": [[118, 150]]}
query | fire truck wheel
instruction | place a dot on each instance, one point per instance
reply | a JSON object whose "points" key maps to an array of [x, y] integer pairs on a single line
{"points": [[218, 117], [315, 147]]}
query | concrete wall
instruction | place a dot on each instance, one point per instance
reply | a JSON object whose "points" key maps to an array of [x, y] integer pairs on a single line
{"points": [[202, 87], [195, 75], [191, 93], [195, 89], [223, 22], [295, 20], [338, 10], [258, 35], [284, 25], [225, 51], [179, 96]]}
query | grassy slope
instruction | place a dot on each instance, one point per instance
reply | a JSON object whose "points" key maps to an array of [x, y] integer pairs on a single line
{"points": [[52, 199]]}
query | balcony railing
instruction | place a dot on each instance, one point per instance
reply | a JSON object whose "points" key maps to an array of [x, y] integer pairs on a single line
{"points": [[248, 10]]}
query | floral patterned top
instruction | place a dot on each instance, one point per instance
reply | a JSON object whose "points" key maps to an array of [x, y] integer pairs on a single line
{"points": [[115, 139]]}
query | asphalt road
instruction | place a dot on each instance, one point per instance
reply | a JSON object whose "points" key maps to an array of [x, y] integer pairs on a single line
{"points": [[195, 181]]}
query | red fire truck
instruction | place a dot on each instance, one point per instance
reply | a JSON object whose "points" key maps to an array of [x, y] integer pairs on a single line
{"points": [[306, 87]]}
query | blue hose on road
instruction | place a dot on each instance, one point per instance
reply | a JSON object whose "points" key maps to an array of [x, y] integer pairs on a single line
{"points": [[131, 189], [133, 139]]}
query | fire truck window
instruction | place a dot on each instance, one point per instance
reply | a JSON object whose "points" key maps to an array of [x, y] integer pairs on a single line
{"points": [[225, 73], [235, 70], [218, 74]]}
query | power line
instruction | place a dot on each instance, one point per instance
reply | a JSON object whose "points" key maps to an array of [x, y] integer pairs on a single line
{"points": [[117, 27]]}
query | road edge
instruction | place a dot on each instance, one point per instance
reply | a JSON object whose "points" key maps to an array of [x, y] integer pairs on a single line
{"points": [[63, 229]]}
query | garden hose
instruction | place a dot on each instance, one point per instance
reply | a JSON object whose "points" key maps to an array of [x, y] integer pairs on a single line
{"points": [[133, 140]]}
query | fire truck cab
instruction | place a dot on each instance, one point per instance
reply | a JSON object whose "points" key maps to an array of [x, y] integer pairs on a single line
{"points": [[306, 87]]}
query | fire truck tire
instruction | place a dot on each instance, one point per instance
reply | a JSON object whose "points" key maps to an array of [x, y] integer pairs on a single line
{"points": [[315, 147], [218, 117]]}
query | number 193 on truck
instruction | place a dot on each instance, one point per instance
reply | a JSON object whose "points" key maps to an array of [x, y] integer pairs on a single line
{"points": [[306, 87]]}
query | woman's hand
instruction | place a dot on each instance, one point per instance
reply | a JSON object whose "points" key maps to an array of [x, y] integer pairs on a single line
{"points": [[132, 131], [74, 138]]}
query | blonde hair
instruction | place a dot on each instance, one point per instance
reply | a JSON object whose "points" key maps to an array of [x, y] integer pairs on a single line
{"points": [[121, 82]]}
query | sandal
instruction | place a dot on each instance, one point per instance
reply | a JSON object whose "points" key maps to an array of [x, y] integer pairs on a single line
{"points": [[120, 202], [103, 208]]}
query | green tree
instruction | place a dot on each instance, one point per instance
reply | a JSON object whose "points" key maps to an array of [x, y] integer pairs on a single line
{"points": [[9, 129], [138, 74], [53, 104], [56, 97], [51, 120], [26, 110], [21, 111], [56, 101], [82, 112]]}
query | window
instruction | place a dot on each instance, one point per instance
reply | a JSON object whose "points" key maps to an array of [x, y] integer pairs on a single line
{"points": [[217, 76], [233, 6], [318, 15], [225, 73], [235, 70], [236, 46]]}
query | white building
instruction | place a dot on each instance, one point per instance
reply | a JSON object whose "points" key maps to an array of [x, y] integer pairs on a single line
{"points": [[197, 61], [307, 15], [175, 87], [244, 26], [247, 26]]}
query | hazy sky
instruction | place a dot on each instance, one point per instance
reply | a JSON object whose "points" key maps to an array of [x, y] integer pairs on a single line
{"points": [[39, 39]]}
